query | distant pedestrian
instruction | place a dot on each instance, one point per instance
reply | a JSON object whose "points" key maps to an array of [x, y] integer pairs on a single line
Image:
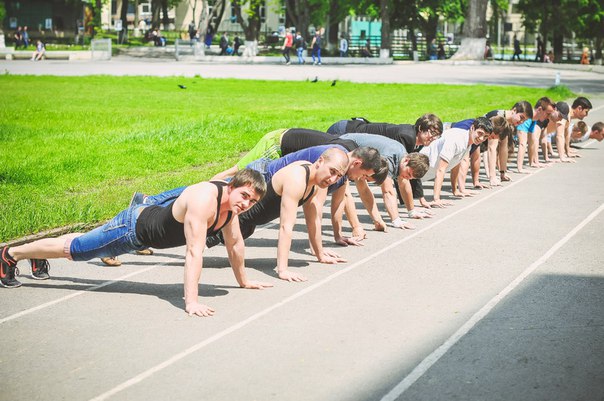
{"points": [[288, 43], [224, 44], [209, 37], [18, 38], [343, 46], [300, 47], [441, 51], [192, 31], [236, 45], [517, 49], [432, 50], [25, 37], [540, 56], [585, 56], [316, 47], [366, 51]]}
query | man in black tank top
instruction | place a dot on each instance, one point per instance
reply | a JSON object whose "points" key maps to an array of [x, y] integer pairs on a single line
{"points": [[296, 184], [201, 210]]}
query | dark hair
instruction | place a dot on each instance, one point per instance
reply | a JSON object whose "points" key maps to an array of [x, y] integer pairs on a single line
{"points": [[524, 107], [381, 173], [370, 158], [249, 177], [419, 164], [429, 122], [544, 102], [583, 102], [501, 127], [483, 123]]}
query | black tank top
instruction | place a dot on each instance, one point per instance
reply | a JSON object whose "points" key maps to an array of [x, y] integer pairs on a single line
{"points": [[156, 226], [269, 208]]}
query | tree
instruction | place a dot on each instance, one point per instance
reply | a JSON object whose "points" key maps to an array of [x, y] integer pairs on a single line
{"points": [[590, 25], [304, 13], [123, 13], [474, 32], [2, 13], [250, 24]]}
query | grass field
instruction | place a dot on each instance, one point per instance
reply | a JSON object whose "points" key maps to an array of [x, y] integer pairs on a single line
{"points": [[75, 148]]}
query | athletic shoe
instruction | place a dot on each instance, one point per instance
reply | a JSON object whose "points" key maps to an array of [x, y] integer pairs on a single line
{"points": [[138, 198], [39, 269], [8, 270]]}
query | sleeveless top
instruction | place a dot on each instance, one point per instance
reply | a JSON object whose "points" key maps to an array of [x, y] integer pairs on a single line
{"points": [[269, 208], [156, 226]]}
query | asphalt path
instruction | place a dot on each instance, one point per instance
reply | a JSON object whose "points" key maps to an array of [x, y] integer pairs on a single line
{"points": [[499, 297], [536, 75]]}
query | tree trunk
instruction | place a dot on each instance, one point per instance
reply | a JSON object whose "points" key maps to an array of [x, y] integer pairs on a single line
{"points": [[333, 33], [474, 32], [164, 11], [298, 12], [386, 41], [251, 27], [557, 43], [123, 13]]}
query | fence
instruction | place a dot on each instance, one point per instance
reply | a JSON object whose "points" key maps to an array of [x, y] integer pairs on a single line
{"points": [[401, 47], [100, 49]]}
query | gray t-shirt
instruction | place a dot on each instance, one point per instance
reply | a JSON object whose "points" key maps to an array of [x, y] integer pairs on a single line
{"points": [[392, 150]]}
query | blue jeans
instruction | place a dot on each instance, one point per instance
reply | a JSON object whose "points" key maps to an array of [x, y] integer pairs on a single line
{"points": [[317, 52], [300, 55], [164, 198], [116, 237]]}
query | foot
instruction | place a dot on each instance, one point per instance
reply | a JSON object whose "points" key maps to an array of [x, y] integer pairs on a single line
{"points": [[8, 270], [39, 269], [111, 261]]}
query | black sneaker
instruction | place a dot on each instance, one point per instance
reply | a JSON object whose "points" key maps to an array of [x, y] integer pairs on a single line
{"points": [[138, 198], [39, 269], [8, 270]]}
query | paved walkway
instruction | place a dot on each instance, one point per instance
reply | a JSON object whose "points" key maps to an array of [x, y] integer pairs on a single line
{"points": [[524, 74], [499, 297]]}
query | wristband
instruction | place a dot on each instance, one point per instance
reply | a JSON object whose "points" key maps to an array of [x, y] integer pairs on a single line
{"points": [[412, 213], [398, 222]]}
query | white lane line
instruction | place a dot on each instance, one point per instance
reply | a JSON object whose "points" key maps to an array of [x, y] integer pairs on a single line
{"points": [[73, 295], [431, 359], [149, 372]]}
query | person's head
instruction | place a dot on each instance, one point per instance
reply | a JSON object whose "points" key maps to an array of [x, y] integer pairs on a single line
{"points": [[246, 188], [521, 112], [428, 128], [381, 174], [413, 165], [581, 107], [480, 130], [579, 129], [561, 112], [330, 167], [597, 131], [543, 108], [364, 162], [501, 128]]}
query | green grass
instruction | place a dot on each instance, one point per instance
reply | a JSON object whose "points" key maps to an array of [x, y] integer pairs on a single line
{"points": [[75, 148]]}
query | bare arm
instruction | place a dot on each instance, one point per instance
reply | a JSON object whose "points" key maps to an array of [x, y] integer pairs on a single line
{"points": [[438, 182], [235, 246], [342, 200], [292, 192], [195, 227], [369, 202]]}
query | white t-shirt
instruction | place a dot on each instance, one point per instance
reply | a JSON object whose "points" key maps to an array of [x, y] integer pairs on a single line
{"points": [[452, 146]]}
